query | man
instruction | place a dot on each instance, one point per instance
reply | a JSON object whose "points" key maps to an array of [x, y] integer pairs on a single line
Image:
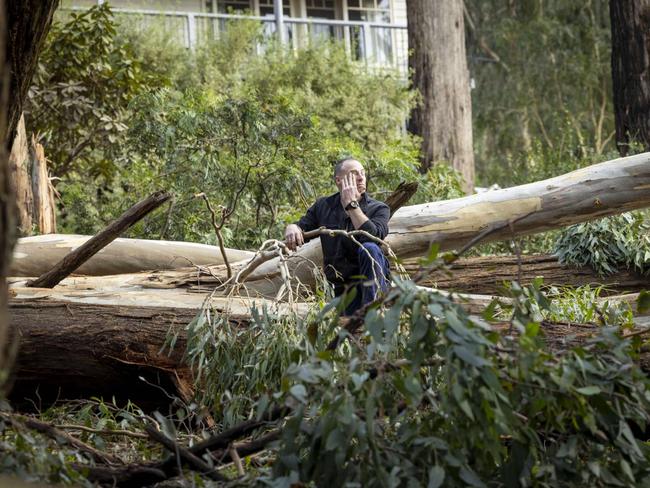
{"points": [[346, 263]]}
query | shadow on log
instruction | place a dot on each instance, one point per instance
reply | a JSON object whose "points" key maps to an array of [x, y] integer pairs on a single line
{"points": [[73, 350]]}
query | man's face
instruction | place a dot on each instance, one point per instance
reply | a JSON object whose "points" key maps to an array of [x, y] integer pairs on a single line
{"points": [[354, 168]]}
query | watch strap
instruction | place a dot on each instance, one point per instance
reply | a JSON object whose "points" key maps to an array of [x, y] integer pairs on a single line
{"points": [[351, 205]]}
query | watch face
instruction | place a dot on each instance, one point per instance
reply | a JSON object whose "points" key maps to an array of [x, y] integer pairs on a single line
{"points": [[354, 204]]}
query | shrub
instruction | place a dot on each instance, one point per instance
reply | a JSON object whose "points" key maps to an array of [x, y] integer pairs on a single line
{"points": [[607, 244]]}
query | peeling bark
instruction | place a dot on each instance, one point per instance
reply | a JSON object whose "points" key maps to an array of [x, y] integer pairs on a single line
{"points": [[75, 350], [19, 179], [44, 206]]}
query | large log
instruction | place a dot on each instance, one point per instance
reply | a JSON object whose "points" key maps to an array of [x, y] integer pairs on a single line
{"points": [[36, 255], [73, 260], [76, 343], [487, 275], [595, 191]]}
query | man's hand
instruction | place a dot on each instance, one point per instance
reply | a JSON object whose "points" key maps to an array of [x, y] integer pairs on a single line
{"points": [[349, 191], [293, 236]]}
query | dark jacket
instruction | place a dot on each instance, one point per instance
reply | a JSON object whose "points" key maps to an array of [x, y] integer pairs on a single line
{"points": [[339, 252]]}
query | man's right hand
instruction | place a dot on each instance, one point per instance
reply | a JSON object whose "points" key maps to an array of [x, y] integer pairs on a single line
{"points": [[293, 236]]}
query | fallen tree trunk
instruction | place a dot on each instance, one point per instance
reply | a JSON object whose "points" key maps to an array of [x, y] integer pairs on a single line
{"points": [[73, 350], [78, 344], [487, 275], [35, 255], [81, 344], [596, 191]]}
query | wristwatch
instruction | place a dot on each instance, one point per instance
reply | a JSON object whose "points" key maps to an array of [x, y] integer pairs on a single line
{"points": [[351, 205]]}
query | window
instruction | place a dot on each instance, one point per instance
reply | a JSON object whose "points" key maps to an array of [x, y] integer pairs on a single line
{"points": [[226, 6], [369, 10], [321, 9], [376, 46], [266, 8]]}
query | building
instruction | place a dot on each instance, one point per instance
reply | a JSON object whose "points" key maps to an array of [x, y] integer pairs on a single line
{"points": [[374, 31]]}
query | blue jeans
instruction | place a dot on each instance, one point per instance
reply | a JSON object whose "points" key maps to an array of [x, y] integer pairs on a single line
{"points": [[375, 268]]}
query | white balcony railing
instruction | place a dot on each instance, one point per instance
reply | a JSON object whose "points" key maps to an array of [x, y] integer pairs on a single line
{"points": [[379, 46]]}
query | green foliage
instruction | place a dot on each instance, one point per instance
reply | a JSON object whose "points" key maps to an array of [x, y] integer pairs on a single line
{"points": [[237, 365], [542, 104], [542, 243], [621, 241], [33, 456], [243, 154], [255, 132], [79, 97], [587, 304], [439, 398], [444, 183], [260, 134]]}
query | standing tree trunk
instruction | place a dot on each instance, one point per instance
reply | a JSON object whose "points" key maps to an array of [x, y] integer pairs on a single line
{"points": [[630, 21], [437, 59], [23, 27], [21, 181], [6, 198], [28, 22], [44, 215]]}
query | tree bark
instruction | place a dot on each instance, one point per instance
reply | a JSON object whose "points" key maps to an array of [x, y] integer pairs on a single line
{"points": [[71, 350], [34, 256], [76, 258], [20, 180], [23, 27], [77, 344], [487, 274], [44, 206], [28, 22], [630, 24], [438, 62]]}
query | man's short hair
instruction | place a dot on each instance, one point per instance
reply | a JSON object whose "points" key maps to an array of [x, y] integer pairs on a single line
{"points": [[339, 164]]}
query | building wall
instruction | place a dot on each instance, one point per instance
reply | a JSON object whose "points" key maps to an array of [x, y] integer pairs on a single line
{"points": [[398, 15], [174, 5], [388, 47]]}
